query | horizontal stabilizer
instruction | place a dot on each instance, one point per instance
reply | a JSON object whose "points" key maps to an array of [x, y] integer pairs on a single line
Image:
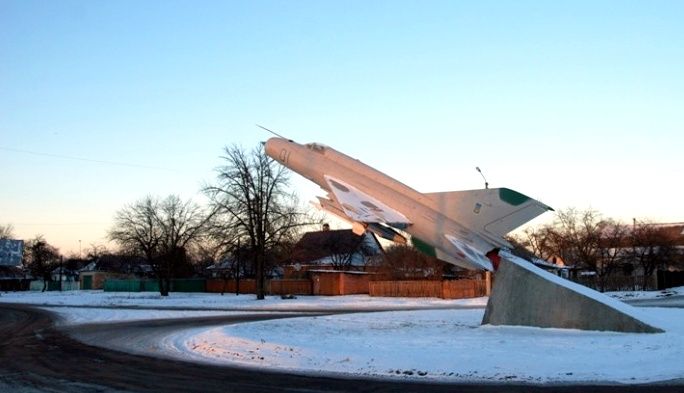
{"points": [[468, 253], [492, 212], [331, 207]]}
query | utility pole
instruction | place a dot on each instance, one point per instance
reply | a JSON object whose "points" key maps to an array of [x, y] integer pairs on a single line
{"points": [[477, 168], [61, 271]]}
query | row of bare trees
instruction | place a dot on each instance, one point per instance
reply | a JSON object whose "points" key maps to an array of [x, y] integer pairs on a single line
{"points": [[6, 231], [160, 230], [583, 238], [248, 205]]}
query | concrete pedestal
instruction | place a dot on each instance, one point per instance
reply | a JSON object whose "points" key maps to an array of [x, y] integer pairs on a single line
{"points": [[524, 294]]}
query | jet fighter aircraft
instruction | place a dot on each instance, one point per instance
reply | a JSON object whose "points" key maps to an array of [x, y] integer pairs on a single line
{"points": [[465, 228]]}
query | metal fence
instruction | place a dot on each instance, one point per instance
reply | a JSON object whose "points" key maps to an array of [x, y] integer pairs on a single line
{"points": [[618, 282], [177, 285], [38, 285]]}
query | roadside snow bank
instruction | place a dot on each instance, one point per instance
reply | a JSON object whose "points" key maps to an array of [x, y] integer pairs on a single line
{"points": [[80, 315], [229, 302]]}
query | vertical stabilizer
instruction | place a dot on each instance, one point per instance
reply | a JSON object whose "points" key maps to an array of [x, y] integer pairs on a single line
{"points": [[492, 212]]}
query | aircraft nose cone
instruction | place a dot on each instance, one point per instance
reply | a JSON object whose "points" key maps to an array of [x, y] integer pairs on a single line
{"points": [[273, 147]]}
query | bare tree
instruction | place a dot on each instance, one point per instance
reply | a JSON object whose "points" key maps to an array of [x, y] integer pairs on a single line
{"points": [[6, 231], [651, 248], [581, 237], [95, 251], [251, 204], [41, 258], [406, 262], [611, 251], [342, 248], [538, 241], [161, 231], [577, 236]]}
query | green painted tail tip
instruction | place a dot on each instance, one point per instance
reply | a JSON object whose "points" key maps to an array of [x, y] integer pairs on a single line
{"points": [[512, 197]]}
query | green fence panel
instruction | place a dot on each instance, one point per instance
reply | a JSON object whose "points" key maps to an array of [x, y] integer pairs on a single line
{"points": [[122, 285], [150, 286], [87, 282], [53, 286], [189, 285], [178, 285]]}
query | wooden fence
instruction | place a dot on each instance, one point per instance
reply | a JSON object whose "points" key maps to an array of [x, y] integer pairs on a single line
{"points": [[273, 287], [452, 289], [463, 289], [291, 287], [336, 283], [247, 286]]}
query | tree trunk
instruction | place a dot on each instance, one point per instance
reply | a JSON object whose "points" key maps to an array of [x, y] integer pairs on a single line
{"points": [[163, 286], [644, 284], [260, 277]]}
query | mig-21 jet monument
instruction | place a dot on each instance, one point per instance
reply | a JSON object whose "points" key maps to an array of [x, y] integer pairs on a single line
{"points": [[464, 228]]}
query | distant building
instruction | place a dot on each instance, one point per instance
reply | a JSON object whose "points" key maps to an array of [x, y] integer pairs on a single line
{"points": [[332, 249], [224, 268], [14, 278], [94, 274], [62, 273]]}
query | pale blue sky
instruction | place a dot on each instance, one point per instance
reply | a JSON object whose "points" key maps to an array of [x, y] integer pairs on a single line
{"points": [[576, 104]]}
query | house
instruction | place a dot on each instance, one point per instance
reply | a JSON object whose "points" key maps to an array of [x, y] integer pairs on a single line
{"points": [[660, 245], [672, 275], [332, 249], [223, 268], [94, 274], [674, 232], [14, 278], [65, 274], [628, 258]]}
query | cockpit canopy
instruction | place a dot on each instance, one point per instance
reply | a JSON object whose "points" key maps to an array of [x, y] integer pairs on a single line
{"points": [[317, 147]]}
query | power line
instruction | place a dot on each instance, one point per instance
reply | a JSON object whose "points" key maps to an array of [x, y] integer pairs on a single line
{"points": [[65, 157], [21, 224]]}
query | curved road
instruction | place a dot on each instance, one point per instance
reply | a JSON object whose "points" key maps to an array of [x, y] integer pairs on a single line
{"points": [[675, 301], [37, 357]]}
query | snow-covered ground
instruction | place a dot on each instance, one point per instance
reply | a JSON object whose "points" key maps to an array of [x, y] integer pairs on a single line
{"points": [[443, 341], [444, 345]]}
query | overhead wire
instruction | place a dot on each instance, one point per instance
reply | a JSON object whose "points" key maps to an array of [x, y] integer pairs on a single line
{"points": [[66, 157]]}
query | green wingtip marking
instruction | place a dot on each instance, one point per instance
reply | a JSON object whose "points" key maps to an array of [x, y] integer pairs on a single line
{"points": [[512, 197], [515, 198]]}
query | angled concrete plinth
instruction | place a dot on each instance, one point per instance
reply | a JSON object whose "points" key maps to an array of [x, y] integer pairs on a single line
{"points": [[524, 294]]}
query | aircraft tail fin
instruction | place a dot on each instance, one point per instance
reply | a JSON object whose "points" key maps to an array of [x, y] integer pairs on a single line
{"points": [[492, 212]]}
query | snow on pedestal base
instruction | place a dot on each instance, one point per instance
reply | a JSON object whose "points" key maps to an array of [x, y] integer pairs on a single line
{"points": [[524, 294]]}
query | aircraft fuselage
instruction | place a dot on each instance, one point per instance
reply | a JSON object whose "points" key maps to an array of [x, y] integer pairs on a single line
{"points": [[428, 225]]}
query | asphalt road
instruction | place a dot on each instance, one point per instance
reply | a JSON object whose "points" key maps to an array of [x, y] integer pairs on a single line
{"points": [[675, 301], [37, 357]]}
